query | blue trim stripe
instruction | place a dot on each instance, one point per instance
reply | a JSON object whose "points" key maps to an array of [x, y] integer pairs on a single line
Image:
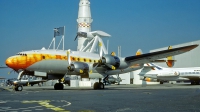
{"points": [[156, 66]]}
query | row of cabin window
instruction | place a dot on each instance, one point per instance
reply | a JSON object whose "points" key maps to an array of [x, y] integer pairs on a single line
{"points": [[22, 54], [190, 73], [65, 57], [73, 59]]}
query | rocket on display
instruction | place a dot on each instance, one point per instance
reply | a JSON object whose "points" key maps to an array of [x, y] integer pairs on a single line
{"points": [[84, 21]]}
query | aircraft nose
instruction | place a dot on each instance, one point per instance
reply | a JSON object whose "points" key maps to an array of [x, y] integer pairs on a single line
{"points": [[9, 62]]}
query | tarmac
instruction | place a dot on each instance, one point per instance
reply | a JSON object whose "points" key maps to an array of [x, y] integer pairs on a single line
{"points": [[114, 98]]}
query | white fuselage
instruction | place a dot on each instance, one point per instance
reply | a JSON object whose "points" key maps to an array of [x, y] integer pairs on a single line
{"points": [[55, 63], [172, 74]]}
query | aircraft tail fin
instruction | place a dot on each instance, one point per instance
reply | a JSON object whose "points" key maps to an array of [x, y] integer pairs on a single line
{"points": [[169, 61], [139, 52], [156, 67], [152, 66]]}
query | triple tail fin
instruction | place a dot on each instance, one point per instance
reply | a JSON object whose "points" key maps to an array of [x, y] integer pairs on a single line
{"points": [[169, 61], [149, 66], [139, 52]]}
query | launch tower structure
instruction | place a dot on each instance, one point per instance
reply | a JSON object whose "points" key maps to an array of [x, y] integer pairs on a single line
{"points": [[87, 39]]}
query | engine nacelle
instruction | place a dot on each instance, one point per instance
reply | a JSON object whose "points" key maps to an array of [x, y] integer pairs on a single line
{"points": [[148, 79], [142, 77], [79, 67], [111, 60]]}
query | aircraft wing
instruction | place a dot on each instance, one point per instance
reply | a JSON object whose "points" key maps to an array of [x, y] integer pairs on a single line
{"points": [[149, 57]]}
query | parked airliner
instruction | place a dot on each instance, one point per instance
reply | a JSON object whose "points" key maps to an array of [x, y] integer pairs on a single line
{"points": [[154, 73]]}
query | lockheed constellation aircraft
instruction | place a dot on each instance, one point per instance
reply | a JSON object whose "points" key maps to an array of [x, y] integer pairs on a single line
{"points": [[55, 64]]}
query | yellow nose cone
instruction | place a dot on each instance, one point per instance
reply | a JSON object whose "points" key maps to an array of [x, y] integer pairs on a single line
{"points": [[9, 62]]}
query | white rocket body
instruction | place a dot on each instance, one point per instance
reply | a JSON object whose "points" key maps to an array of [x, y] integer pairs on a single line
{"points": [[84, 21]]}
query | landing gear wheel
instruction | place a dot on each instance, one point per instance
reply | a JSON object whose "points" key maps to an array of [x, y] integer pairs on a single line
{"points": [[58, 86], [101, 85], [18, 88], [194, 83], [96, 85], [161, 82]]}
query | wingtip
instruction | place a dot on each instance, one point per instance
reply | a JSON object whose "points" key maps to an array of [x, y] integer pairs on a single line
{"points": [[195, 45], [190, 47]]}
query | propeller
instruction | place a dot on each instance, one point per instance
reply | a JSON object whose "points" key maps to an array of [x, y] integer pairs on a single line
{"points": [[100, 54], [71, 66], [101, 60]]}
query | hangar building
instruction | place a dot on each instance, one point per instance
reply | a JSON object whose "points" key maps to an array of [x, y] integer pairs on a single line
{"points": [[189, 59]]}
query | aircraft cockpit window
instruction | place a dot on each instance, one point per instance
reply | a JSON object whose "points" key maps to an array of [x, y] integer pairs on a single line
{"points": [[22, 54]]}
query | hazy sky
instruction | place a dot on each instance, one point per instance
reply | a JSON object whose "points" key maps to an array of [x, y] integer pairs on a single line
{"points": [[133, 24]]}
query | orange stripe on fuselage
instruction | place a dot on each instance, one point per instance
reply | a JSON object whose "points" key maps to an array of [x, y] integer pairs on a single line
{"points": [[24, 61]]}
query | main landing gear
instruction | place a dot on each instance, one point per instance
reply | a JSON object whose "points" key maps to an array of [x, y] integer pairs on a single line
{"points": [[194, 82], [98, 85], [58, 86], [18, 87]]}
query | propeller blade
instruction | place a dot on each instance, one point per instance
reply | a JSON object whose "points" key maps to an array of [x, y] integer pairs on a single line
{"points": [[68, 57], [93, 68], [11, 71], [101, 52], [76, 37], [110, 66]]}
